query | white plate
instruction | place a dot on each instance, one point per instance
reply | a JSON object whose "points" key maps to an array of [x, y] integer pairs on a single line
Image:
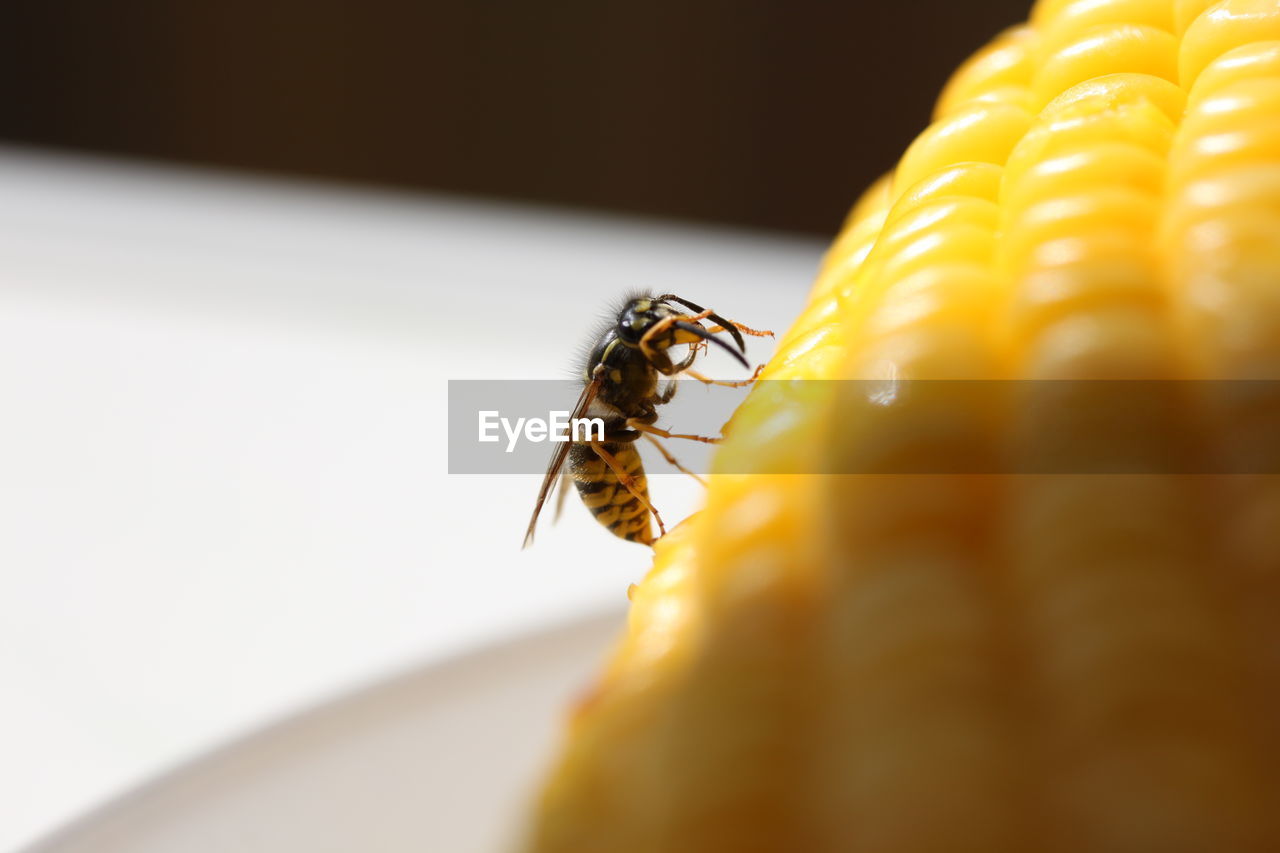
{"points": [[445, 758]]}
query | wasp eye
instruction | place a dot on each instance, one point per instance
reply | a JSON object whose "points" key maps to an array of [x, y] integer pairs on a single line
{"points": [[627, 330]]}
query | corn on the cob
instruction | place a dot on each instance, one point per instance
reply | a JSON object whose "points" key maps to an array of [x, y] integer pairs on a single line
{"points": [[950, 663]]}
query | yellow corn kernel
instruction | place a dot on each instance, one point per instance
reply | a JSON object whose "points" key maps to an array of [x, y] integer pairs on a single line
{"points": [[1001, 71], [1221, 27], [990, 662], [982, 131], [1106, 49]]}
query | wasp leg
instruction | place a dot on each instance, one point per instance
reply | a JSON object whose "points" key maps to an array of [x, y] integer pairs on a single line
{"points": [[566, 483], [636, 424], [727, 384], [628, 483], [666, 454], [661, 326], [759, 333], [668, 391], [686, 363]]}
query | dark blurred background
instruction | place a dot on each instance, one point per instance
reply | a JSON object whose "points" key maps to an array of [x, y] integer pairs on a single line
{"points": [[770, 113]]}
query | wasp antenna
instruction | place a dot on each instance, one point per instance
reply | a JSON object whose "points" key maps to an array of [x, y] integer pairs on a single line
{"points": [[707, 336], [714, 317]]}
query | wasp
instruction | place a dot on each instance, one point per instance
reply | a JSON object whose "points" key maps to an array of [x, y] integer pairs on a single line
{"points": [[622, 387]]}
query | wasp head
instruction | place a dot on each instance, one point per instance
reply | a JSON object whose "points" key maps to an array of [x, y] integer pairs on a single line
{"points": [[651, 325]]}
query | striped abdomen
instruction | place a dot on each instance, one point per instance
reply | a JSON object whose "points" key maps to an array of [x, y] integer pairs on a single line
{"points": [[610, 502]]}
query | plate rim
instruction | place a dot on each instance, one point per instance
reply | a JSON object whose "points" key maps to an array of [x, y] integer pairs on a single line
{"points": [[597, 622]]}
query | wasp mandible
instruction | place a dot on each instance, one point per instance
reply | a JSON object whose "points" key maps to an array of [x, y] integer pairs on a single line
{"points": [[621, 387]]}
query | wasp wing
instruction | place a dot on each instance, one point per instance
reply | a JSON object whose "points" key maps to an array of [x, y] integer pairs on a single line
{"points": [[561, 489], [562, 452]]}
